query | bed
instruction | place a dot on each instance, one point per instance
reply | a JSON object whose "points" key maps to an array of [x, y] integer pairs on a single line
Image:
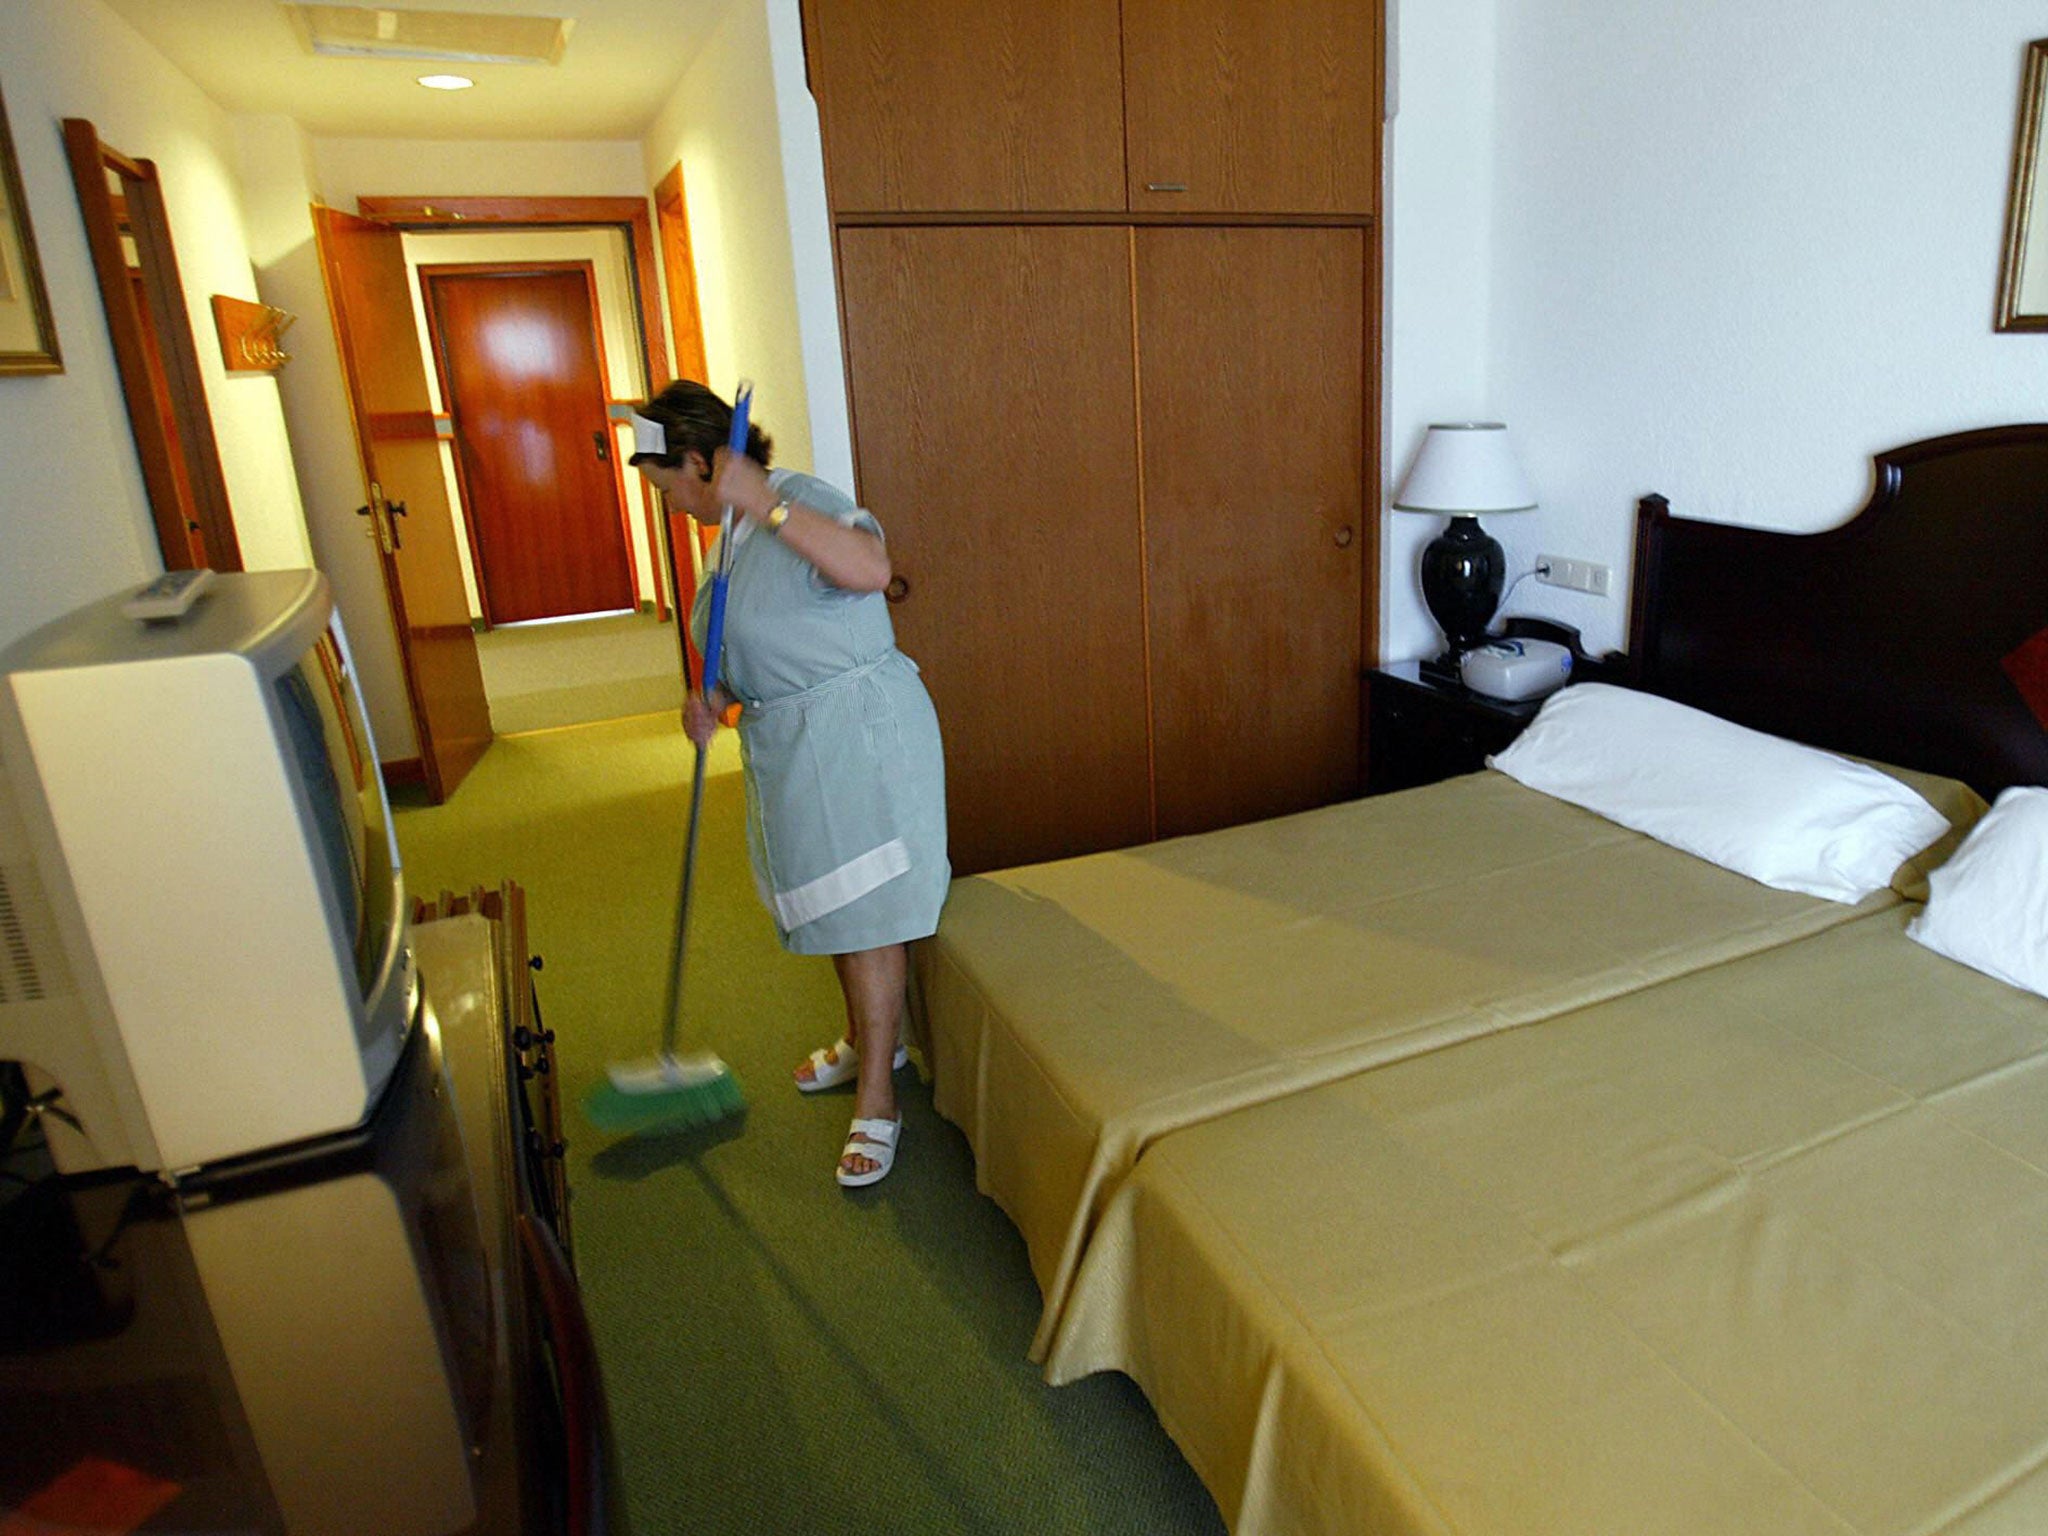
{"points": [[1180, 1069], [1072, 1012], [1750, 1251]]}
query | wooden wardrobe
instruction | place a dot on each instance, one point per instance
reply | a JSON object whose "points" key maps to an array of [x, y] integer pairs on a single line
{"points": [[1109, 285]]}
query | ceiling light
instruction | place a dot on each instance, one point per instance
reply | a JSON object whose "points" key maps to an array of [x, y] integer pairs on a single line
{"points": [[446, 82]]}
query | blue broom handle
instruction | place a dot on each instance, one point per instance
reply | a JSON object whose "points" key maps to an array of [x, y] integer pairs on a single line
{"points": [[714, 642], [714, 629]]}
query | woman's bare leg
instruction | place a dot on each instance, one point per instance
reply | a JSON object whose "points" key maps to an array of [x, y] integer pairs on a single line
{"points": [[873, 981]]}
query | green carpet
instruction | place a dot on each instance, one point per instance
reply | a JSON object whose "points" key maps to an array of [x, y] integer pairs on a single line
{"points": [[780, 1355]]}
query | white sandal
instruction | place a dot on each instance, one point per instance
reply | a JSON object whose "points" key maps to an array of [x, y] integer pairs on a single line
{"points": [[843, 1067], [874, 1140]]}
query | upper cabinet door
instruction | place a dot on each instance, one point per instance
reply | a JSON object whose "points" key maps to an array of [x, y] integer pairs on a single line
{"points": [[1244, 106], [968, 106]]}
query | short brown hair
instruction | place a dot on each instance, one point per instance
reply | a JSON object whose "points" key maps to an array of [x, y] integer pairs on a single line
{"points": [[696, 421]]}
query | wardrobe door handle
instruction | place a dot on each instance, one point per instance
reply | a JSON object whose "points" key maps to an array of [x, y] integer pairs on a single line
{"points": [[897, 590], [1345, 536]]}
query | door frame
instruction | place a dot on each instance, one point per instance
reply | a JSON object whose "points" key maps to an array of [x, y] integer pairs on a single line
{"points": [[426, 273], [628, 215], [197, 501]]}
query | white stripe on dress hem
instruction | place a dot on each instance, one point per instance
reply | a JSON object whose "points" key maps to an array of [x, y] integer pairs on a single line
{"points": [[848, 883]]}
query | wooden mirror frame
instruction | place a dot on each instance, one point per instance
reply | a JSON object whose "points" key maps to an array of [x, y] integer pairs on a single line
{"points": [[154, 351], [2024, 233], [25, 302]]}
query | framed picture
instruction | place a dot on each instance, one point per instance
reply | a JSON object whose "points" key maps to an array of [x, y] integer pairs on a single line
{"points": [[2023, 279], [28, 337]]}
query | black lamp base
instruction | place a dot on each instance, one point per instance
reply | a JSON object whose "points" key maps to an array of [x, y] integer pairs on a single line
{"points": [[1447, 668], [1463, 570]]}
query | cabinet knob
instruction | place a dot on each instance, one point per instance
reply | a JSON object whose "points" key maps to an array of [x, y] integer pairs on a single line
{"points": [[1345, 536], [897, 590]]}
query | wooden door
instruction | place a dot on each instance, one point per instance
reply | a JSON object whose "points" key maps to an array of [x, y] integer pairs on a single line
{"points": [[1244, 106], [968, 105], [406, 507], [517, 350], [1252, 417], [992, 396]]}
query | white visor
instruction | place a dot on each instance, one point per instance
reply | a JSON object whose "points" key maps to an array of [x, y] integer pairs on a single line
{"points": [[649, 436]]}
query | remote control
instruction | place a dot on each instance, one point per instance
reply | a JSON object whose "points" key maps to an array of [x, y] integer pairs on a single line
{"points": [[168, 596]]}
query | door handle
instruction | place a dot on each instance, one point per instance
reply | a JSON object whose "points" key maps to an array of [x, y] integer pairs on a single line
{"points": [[604, 448], [897, 590], [1345, 536], [394, 509], [378, 529]]}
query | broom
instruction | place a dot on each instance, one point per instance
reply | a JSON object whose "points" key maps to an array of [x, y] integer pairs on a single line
{"points": [[668, 1090]]}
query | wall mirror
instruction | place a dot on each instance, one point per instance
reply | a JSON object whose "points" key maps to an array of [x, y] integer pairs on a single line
{"points": [[129, 234], [2023, 278]]}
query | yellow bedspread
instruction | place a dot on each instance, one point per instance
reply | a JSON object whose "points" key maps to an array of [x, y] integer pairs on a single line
{"points": [[1070, 1013], [1761, 1249]]}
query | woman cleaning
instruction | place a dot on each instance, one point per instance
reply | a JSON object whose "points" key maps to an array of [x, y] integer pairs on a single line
{"points": [[846, 801]]}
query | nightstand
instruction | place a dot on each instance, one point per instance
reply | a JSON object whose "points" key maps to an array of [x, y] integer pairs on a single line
{"points": [[1422, 727], [1420, 730]]}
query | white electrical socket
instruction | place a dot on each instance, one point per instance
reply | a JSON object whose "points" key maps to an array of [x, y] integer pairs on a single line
{"points": [[1579, 575]]}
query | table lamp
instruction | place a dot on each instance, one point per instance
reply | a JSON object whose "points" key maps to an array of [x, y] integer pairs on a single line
{"points": [[1464, 468]]}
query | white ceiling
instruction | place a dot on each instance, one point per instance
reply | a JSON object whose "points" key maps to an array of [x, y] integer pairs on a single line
{"points": [[622, 63]]}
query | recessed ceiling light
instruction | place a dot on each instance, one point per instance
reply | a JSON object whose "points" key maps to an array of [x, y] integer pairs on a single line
{"points": [[446, 82]]}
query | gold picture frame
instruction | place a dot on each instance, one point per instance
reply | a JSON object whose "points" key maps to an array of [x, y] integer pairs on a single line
{"points": [[28, 334], [2023, 275]]}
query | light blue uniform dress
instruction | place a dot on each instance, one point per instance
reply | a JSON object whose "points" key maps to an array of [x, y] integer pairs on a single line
{"points": [[846, 784]]}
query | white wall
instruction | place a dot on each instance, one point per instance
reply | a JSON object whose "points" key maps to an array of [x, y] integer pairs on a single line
{"points": [[280, 185], [1739, 246], [1437, 227], [74, 520], [352, 168], [724, 124], [810, 239]]}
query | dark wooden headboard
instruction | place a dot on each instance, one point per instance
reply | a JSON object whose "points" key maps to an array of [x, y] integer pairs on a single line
{"points": [[1888, 637]]}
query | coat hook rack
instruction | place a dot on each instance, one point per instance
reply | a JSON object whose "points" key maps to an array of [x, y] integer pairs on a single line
{"points": [[249, 334]]}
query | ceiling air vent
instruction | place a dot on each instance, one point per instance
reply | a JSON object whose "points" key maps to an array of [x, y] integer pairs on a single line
{"points": [[462, 37]]}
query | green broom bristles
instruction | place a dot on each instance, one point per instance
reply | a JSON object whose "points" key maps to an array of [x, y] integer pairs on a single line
{"points": [[679, 1108]]}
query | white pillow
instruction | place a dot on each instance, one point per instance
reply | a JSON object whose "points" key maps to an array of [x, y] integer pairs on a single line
{"points": [[1790, 816], [1988, 905]]}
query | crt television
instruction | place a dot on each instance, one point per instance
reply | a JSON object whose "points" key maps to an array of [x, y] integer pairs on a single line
{"points": [[203, 927]]}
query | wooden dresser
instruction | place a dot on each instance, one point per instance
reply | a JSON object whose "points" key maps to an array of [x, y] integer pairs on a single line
{"points": [[1108, 280]]}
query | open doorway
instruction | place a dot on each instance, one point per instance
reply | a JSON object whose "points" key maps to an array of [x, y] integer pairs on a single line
{"points": [[583, 662], [520, 364]]}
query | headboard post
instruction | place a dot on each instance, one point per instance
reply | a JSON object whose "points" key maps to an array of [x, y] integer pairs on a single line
{"points": [[1652, 513]]}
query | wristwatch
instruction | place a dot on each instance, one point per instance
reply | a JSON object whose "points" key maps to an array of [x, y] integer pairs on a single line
{"points": [[777, 515]]}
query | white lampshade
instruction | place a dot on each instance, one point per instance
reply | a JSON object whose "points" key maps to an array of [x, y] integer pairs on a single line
{"points": [[1463, 468]]}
